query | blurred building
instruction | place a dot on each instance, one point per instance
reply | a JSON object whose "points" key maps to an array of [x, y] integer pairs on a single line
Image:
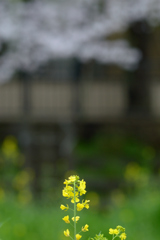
{"points": [[45, 110]]}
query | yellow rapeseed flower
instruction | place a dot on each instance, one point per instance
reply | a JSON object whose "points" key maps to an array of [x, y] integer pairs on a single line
{"points": [[64, 208], [77, 218], [71, 179], [67, 233], [116, 231], [123, 236], [66, 219], [86, 205], [68, 192], [85, 228], [80, 206], [113, 231], [82, 187], [65, 193], [78, 236]]}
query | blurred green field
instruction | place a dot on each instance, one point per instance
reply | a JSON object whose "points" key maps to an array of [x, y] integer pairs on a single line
{"points": [[133, 203], [139, 214]]}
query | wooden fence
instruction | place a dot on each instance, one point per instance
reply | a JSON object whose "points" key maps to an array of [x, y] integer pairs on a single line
{"points": [[62, 101]]}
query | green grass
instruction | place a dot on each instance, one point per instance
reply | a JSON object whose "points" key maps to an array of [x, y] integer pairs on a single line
{"points": [[29, 222], [140, 215]]}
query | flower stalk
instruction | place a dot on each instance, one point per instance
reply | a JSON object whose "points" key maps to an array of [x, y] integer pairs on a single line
{"points": [[74, 189], [74, 210]]}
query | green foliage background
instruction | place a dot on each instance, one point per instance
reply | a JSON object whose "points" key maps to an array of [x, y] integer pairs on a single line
{"points": [[140, 215], [122, 184]]}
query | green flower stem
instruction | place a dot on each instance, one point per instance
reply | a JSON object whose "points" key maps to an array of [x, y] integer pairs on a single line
{"points": [[71, 225], [115, 236], [71, 209], [75, 210]]}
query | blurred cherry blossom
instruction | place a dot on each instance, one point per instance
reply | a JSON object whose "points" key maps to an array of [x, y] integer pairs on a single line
{"points": [[32, 33]]}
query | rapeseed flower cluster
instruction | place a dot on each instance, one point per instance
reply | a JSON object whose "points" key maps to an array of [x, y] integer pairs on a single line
{"points": [[119, 231], [73, 190]]}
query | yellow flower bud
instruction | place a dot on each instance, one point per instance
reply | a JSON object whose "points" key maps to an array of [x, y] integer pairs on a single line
{"points": [[66, 219], [82, 187], [63, 207], [77, 218], [123, 236], [78, 236], [85, 228], [67, 233], [86, 205], [120, 228]]}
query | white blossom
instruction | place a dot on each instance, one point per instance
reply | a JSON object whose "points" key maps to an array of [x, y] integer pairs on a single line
{"points": [[38, 31]]}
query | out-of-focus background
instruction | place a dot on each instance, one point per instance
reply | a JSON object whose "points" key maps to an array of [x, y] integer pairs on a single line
{"points": [[79, 94]]}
